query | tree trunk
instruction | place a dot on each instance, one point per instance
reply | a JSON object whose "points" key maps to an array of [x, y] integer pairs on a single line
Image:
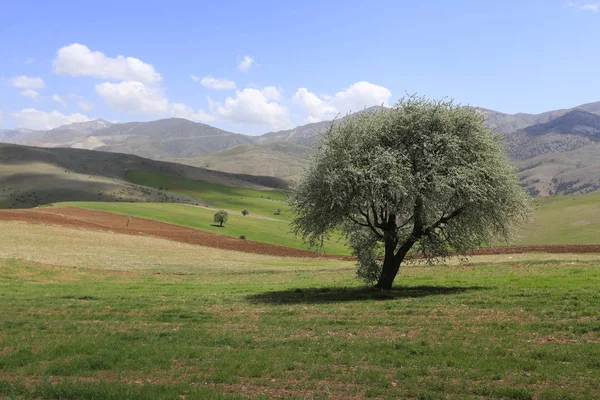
{"points": [[391, 264], [221, 224]]}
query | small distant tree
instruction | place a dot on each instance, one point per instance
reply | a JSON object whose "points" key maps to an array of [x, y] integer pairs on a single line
{"points": [[277, 212], [221, 217], [245, 212], [426, 176]]}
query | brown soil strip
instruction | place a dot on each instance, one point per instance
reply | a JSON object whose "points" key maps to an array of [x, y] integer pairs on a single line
{"points": [[98, 220]]}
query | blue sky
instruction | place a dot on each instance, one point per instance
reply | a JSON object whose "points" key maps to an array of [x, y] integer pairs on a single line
{"points": [[271, 65]]}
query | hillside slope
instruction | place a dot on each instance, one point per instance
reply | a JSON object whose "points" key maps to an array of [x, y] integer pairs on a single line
{"points": [[280, 159], [31, 176]]}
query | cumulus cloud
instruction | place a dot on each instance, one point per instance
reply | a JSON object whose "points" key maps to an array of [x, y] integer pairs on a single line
{"points": [[593, 7], [195, 78], [78, 60], [317, 109], [60, 100], [133, 97], [30, 93], [136, 98], [254, 106], [180, 110], [354, 98], [31, 118], [244, 63], [216, 83], [26, 82]]}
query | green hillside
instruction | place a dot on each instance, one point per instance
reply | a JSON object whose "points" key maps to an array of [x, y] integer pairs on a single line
{"points": [[564, 220], [255, 228], [235, 199]]}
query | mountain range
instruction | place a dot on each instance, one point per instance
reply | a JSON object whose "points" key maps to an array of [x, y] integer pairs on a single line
{"points": [[544, 146]]}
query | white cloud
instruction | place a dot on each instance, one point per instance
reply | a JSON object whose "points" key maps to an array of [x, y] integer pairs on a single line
{"points": [[27, 82], [593, 7], [216, 83], [180, 110], [244, 63], [137, 98], [195, 78], [318, 109], [78, 60], [354, 98], [254, 106], [30, 93], [133, 97], [33, 119], [60, 100], [29, 60]]}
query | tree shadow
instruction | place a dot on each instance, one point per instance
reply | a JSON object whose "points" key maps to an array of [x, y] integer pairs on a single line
{"points": [[346, 294], [217, 225]]}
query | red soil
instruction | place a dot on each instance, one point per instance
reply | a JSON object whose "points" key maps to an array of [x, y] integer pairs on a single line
{"points": [[98, 220]]}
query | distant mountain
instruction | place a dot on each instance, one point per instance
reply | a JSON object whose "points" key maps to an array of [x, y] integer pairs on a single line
{"points": [[570, 131], [508, 123], [281, 154], [165, 138], [576, 122], [307, 134]]}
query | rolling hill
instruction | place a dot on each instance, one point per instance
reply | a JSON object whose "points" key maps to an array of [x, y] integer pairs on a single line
{"points": [[31, 176], [280, 159]]}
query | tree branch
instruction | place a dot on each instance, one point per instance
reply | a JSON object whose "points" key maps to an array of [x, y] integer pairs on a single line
{"points": [[370, 224]]}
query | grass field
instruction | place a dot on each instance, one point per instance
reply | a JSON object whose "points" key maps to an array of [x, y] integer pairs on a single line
{"points": [[257, 229], [87, 314], [262, 202], [564, 220]]}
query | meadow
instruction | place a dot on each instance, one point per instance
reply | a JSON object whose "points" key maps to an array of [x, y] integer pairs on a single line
{"points": [[87, 314], [235, 199]]}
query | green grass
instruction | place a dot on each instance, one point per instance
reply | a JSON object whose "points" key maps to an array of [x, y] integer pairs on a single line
{"points": [[503, 330], [262, 202], [256, 229], [564, 220]]}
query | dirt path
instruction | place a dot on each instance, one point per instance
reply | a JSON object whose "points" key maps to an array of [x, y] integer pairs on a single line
{"points": [[98, 220]]}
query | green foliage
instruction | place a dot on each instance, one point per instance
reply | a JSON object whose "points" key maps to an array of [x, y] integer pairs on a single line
{"points": [[245, 212], [277, 211], [426, 173], [367, 249], [220, 217]]}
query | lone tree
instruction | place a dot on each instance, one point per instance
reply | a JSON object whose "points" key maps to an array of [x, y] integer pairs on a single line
{"points": [[245, 212], [426, 176], [221, 217]]}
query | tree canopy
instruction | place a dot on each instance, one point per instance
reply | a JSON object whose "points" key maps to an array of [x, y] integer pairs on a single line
{"points": [[221, 217], [425, 176]]}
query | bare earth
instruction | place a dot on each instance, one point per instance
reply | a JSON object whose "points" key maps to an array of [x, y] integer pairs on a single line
{"points": [[97, 220]]}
